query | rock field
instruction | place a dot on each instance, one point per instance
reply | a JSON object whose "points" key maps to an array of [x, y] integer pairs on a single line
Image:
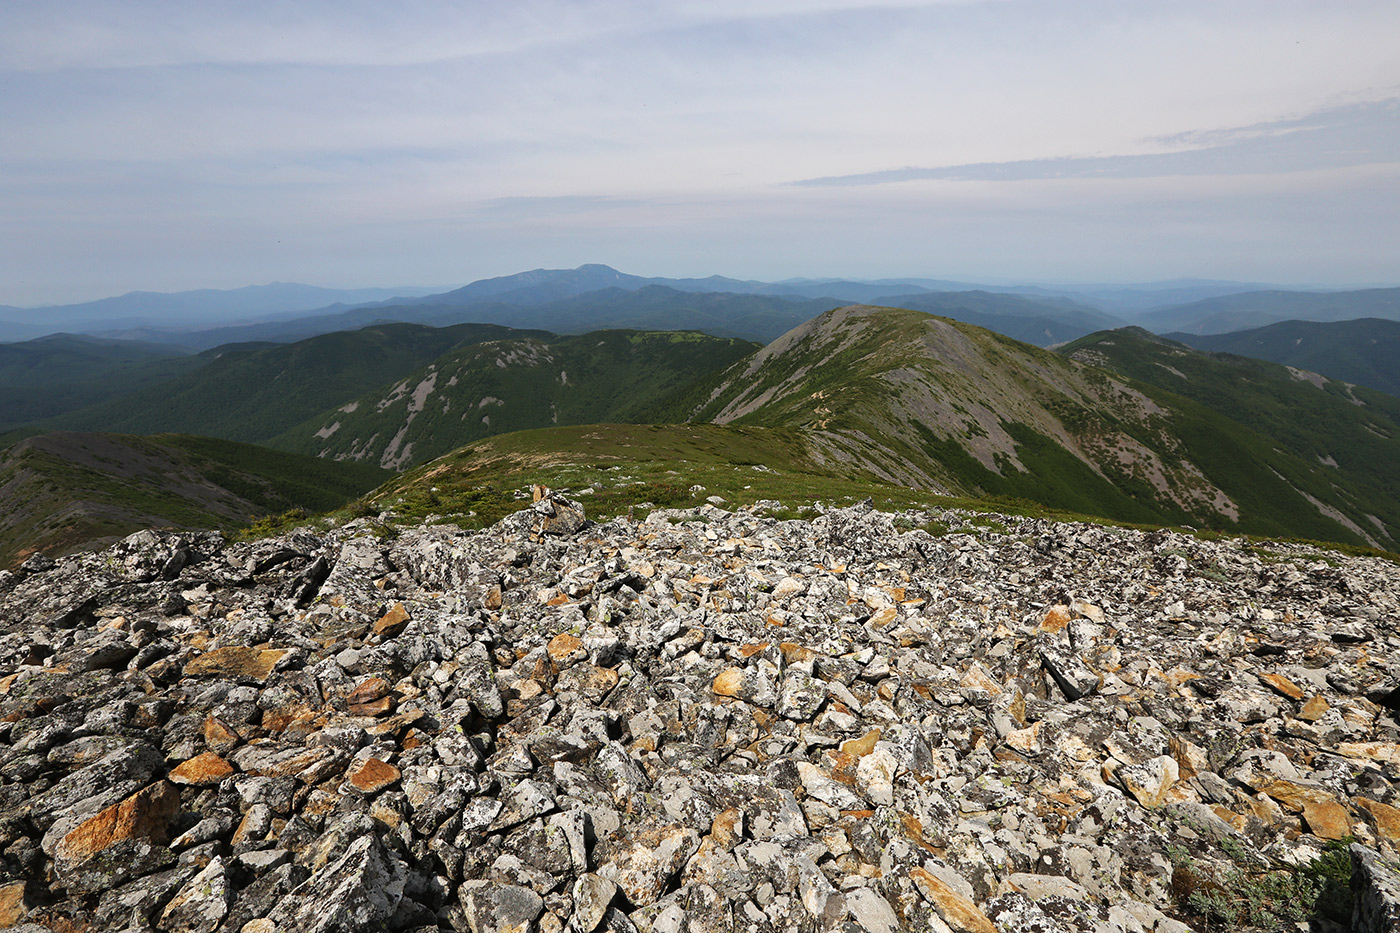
{"points": [[703, 721]]}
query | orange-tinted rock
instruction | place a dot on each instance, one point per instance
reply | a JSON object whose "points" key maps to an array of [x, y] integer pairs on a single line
{"points": [[1327, 820], [393, 622], [729, 682], [588, 679], [369, 689], [1056, 618], [562, 647], [370, 698], [1378, 752], [861, 746], [1283, 685], [957, 911], [727, 829], [236, 662], [794, 653], [146, 814], [278, 719], [1025, 740], [883, 617], [207, 768], [374, 775], [14, 906], [1314, 709], [218, 736], [1386, 817], [978, 679]]}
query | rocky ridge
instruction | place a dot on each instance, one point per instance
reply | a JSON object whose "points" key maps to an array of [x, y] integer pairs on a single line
{"points": [[707, 720]]}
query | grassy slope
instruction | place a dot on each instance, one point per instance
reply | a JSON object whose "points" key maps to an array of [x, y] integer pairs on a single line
{"points": [[254, 392], [503, 386], [1357, 428], [66, 489], [639, 467], [1364, 351]]}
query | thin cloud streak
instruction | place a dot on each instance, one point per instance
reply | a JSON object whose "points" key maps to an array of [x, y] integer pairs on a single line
{"points": [[1344, 137]]}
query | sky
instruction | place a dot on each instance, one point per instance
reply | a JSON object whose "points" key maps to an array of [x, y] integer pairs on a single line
{"points": [[168, 146]]}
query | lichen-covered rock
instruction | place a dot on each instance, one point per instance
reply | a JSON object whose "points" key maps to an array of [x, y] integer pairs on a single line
{"points": [[703, 721]]}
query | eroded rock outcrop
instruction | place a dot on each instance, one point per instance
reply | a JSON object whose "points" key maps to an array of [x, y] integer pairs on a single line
{"points": [[702, 721]]}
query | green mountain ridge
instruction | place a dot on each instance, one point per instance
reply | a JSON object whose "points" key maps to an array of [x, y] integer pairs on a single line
{"points": [[930, 402], [51, 375], [506, 385], [63, 490], [252, 392], [1365, 351], [1119, 424]]}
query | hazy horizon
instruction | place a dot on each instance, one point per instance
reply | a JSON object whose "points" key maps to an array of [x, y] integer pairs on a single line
{"points": [[165, 147], [407, 291]]}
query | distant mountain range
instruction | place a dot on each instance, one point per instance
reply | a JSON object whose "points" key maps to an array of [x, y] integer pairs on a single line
{"points": [[185, 310], [595, 296], [1227, 313], [1364, 351]]}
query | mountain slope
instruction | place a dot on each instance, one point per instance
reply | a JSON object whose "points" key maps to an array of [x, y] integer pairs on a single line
{"points": [[1364, 351], [1258, 309], [507, 385], [252, 392], [935, 403], [1351, 435], [51, 375], [63, 490]]}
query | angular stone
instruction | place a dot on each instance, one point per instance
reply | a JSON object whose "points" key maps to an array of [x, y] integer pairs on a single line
{"points": [[819, 784], [392, 623], [871, 912], [201, 770], [1386, 817], [373, 776], [14, 903], [361, 891], [1150, 781], [145, 815], [646, 862], [201, 905], [960, 913], [565, 647], [593, 894], [861, 746], [238, 663], [370, 697], [1075, 679], [1375, 889], [500, 908], [1314, 708], [1282, 685]]}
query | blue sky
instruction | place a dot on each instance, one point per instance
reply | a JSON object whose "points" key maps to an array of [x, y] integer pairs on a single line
{"points": [[165, 146]]}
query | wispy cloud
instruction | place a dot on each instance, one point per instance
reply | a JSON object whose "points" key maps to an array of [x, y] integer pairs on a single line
{"points": [[1339, 137]]}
